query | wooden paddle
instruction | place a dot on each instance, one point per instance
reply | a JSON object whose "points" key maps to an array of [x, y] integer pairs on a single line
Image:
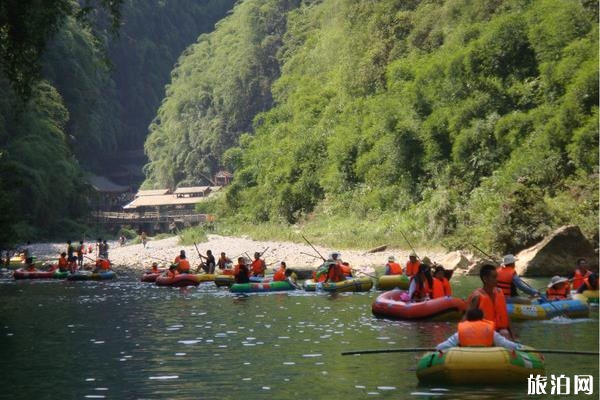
{"points": [[426, 349]]}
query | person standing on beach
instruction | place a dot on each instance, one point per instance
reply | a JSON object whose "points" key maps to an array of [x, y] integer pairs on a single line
{"points": [[143, 238]]}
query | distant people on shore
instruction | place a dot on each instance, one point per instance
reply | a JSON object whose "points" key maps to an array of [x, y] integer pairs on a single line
{"points": [[144, 239]]}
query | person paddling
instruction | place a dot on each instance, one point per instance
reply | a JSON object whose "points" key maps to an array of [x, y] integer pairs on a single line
{"points": [[589, 283], [241, 271], [258, 266], [477, 332], [509, 281]]}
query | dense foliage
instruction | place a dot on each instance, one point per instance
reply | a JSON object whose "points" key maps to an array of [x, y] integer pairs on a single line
{"points": [[65, 108], [453, 120]]}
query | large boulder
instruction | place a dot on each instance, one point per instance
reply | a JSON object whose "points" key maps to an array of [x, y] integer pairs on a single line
{"points": [[454, 260], [557, 254]]}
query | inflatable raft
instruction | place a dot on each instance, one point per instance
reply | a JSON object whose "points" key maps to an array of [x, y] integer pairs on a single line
{"points": [[479, 366], [390, 305], [37, 274], [91, 276], [150, 276], [389, 282], [547, 310], [362, 284], [224, 280], [180, 280], [589, 296], [259, 287]]}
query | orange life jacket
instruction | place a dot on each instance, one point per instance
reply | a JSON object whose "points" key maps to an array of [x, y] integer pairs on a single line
{"points": [[394, 268], [493, 309], [441, 288], [172, 273], [588, 285], [505, 279], [558, 293], [412, 268], [421, 292], [476, 333], [335, 273], [63, 264], [578, 278], [258, 267], [279, 274], [346, 270], [183, 266], [103, 264]]}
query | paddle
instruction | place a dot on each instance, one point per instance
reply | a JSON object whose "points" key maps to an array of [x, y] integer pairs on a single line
{"points": [[310, 255], [313, 247], [484, 253], [425, 349], [407, 241]]}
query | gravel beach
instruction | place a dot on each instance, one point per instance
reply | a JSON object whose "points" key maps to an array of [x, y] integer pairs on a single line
{"points": [[135, 256]]}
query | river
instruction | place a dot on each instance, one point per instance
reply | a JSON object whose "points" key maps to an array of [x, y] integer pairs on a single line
{"points": [[124, 339]]}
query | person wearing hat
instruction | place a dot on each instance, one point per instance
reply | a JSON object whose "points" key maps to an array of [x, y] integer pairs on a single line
{"points": [[558, 288], [412, 266], [258, 266], [343, 266], [509, 281], [392, 267]]}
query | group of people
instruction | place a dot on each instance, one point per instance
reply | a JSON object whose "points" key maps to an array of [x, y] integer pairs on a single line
{"points": [[486, 321], [242, 271]]}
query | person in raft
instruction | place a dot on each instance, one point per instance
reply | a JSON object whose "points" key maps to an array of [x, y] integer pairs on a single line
{"points": [[490, 299], [477, 332], [441, 286], [412, 265], [344, 266], [172, 272], [334, 271], [63, 263], [509, 281], [279, 275], [419, 288], [207, 266], [258, 266], [102, 265], [224, 262], [580, 273], [558, 288], [29, 265], [154, 268], [392, 267], [589, 283], [241, 271], [183, 265]]}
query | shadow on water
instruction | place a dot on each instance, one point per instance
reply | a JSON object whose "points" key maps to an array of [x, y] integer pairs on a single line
{"points": [[125, 339]]}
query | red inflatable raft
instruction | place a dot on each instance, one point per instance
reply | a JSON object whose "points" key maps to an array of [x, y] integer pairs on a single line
{"points": [[22, 273], [180, 280], [150, 276], [390, 305]]}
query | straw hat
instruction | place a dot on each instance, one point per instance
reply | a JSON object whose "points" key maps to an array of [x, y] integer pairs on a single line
{"points": [[555, 280], [391, 258], [413, 254]]}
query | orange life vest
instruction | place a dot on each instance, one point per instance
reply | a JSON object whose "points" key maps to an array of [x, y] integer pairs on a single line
{"points": [[394, 268], [412, 268], [258, 267], [476, 333], [441, 288], [588, 285], [559, 293], [103, 264], [493, 309], [421, 292], [505, 279], [335, 273], [63, 264], [279, 274], [183, 266], [346, 270], [172, 273], [578, 278]]}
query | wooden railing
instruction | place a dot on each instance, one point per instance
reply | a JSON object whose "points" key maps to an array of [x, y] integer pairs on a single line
{"points": [[110, 217]]}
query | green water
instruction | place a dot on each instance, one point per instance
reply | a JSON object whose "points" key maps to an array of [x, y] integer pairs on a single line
{"points": [[127, 340]]}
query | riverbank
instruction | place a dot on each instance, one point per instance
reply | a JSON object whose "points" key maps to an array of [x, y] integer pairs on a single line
{"points": [[297, 255]]}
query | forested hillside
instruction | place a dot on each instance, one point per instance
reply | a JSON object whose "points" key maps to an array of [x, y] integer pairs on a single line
{"points": [[95, 93], [453, 120]]}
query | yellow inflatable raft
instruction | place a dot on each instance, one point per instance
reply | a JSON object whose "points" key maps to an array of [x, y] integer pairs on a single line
{"points": [[479, 366]]}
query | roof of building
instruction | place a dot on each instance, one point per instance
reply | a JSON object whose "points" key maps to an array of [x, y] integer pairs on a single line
{"points": [[192, 190], [152, 192], [104, 185]]}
